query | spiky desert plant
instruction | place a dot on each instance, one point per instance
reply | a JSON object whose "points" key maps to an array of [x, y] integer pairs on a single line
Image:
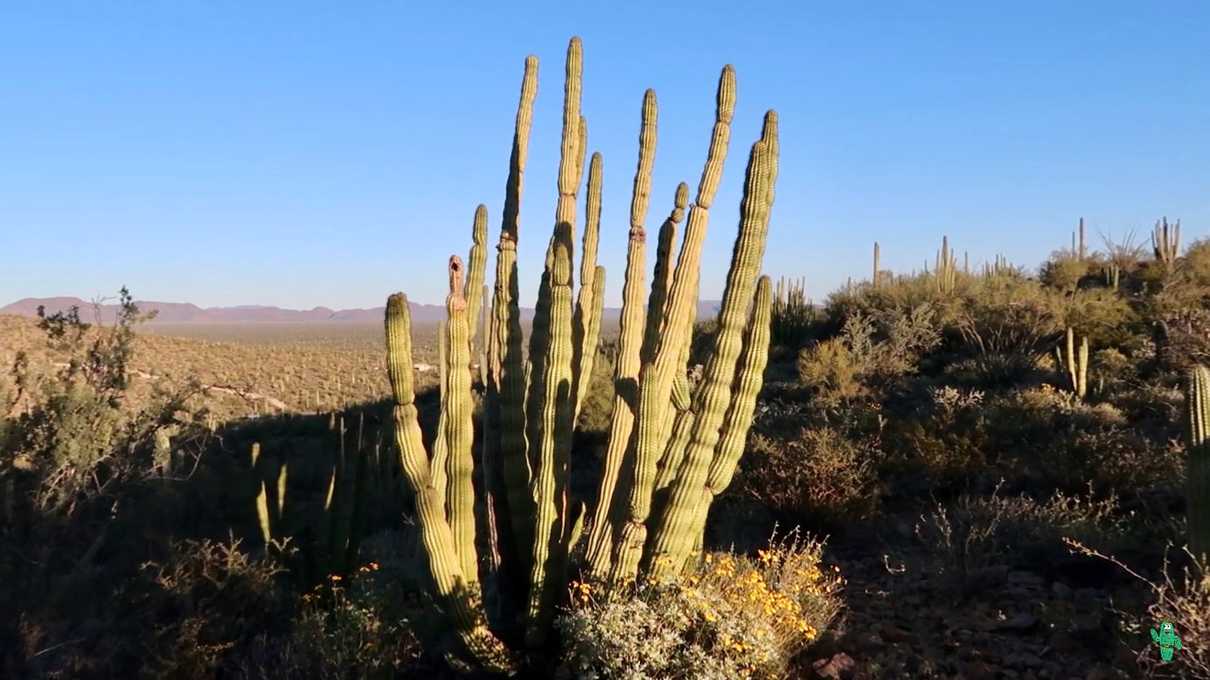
{"points": [[877, 258], [660, 427], [1197, 438], [1075, 366], [792, 313], [946, 270], [1166, 241]]}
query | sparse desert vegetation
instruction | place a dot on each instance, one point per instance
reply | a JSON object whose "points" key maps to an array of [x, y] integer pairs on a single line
{"points": [[963, 472]]}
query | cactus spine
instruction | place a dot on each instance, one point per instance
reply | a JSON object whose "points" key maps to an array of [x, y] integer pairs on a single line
{"points": [[530, 404], [1197, 439]]}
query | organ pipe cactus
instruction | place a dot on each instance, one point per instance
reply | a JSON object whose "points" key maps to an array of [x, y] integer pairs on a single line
{"points": [[1166, 241], [664, 436], [1197, 439], [1074, 365]]}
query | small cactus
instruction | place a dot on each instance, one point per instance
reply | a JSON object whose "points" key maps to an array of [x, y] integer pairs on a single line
{"points": [[1166, 241], [1074, 365]]}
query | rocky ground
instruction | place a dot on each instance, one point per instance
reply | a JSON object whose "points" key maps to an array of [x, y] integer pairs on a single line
{"points": [[905, 617]]}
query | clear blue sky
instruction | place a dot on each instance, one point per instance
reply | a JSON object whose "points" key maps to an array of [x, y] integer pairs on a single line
{"points": [[301, 154]]}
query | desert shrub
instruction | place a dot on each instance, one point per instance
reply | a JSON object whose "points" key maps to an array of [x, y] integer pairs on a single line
{"points": [[1063, 270], [1065, 442], [730, 616], [1105, 317], [208, 598], [948, 443], [830, 370], [597, 409], [359, 627], [1196, 264], [978, 532], [1006, 323], [1181, 596], [869, 354], [821, 474]]}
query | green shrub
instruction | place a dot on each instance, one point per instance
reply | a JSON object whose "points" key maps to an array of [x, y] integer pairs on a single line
{"points": [[1063, 270]]}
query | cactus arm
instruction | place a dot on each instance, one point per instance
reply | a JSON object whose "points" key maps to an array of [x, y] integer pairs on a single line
{"points": [[476, 265], [459, 427], [584, 338], [630, 339], [673, 537], [656, 378], [1082, 386], [748, 380], [504, 443], [262, 513], [550, 439], [461, 603], [661, 278]]}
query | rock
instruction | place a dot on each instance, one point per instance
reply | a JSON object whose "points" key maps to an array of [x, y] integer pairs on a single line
{"points": [[839, 666], [892, 633], [1020, 623], [1097, 673], [1062, 642], [1061, 590], [1023, 660], [978, 670], [1025, 578]]}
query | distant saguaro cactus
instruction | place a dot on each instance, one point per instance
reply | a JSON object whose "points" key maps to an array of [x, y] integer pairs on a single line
{"points": [[664, 436]]}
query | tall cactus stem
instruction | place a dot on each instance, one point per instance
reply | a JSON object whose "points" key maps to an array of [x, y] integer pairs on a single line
{"points": [[673, 538], [656, 377]]}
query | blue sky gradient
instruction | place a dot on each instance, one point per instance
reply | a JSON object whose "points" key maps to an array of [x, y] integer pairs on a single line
{"points": [[302, 154]]}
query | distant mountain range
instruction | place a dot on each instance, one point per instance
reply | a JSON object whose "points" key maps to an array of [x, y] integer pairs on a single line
{"points": [[188, 313]]}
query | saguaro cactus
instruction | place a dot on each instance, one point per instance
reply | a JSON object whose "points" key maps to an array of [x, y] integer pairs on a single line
{"points": [[662, 435], [1197, 438]]}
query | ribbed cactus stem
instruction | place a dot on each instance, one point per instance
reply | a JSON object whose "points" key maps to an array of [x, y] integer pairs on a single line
{"points": [[550, 430], [1073, 364], [435, 534], [876, 254], [657, 376], [476, 266], [630, 340], [505, 454], [585, 337], [673, 538], [1166, 241], [749, 379], [661, 279], [1197, 439], [459, 426]]}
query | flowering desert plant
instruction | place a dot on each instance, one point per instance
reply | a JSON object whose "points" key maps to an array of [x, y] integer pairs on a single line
{"points": [[730, 617]]}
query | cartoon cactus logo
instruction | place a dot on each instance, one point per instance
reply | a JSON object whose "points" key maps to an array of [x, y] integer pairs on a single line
{"points": [[1167, 640]]}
